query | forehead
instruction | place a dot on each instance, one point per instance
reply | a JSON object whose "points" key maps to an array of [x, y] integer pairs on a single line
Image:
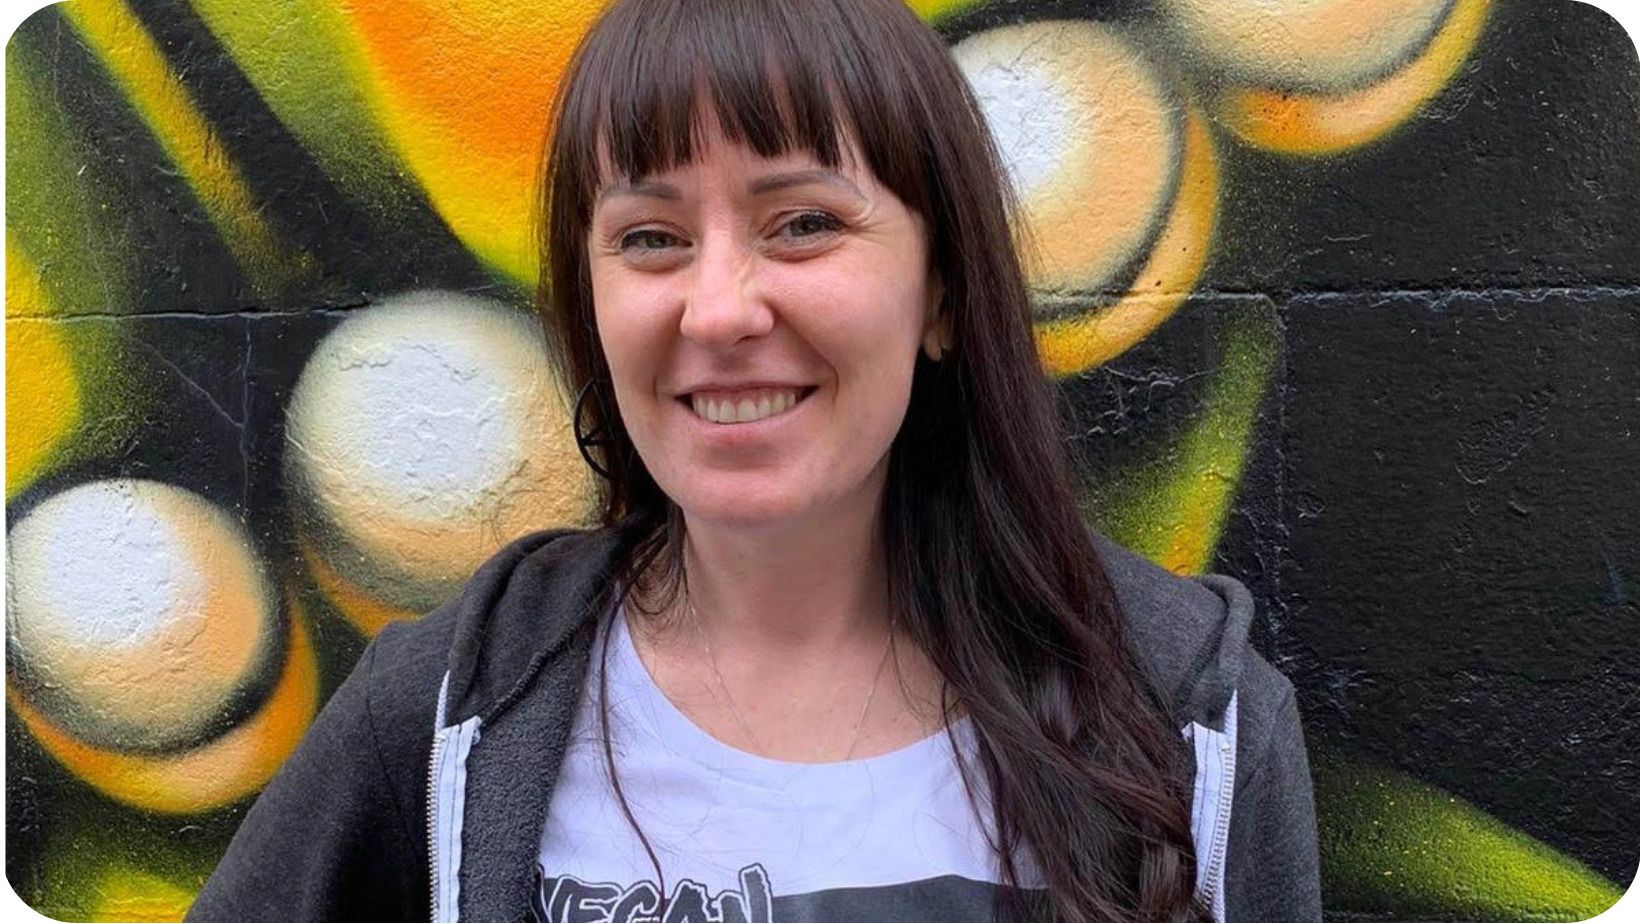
{"points": [[710, 145]]}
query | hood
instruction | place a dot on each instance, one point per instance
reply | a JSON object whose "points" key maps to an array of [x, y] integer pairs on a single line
{"points": [[1189, 632], [528, 599]]}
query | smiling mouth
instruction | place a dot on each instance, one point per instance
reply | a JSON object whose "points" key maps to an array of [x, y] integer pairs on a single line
{"points": [[745, 407]]}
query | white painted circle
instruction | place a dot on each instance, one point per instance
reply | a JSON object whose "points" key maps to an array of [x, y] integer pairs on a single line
{"points": [[137, 608], [1092, 137], [428, 430], [1028, 115]]}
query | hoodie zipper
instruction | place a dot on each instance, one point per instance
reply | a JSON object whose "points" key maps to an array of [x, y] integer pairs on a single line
{"points": [[1221, 838], [1221, 823], [1215, 785], [446, 798], [432, 815]]}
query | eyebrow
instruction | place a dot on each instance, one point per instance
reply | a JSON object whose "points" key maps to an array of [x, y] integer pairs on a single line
{"points": [[765, 184]]}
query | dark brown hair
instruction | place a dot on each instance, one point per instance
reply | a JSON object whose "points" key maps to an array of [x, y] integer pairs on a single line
{"points": [[991, 568]]}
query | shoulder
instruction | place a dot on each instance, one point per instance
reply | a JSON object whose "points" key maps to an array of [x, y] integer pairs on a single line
{"points": [[524, 601], [338, 833], [399, 676], [1192, 634]]}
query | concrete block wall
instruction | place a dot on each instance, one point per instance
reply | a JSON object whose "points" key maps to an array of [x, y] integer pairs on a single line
{"points": [[1344, 296]]}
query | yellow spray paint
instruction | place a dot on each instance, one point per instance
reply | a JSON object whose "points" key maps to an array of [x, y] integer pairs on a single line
{"points": [[934, 10], [461, 89], [224, 770], [135, 62], [1079, 342], [1316, 124], [63, 210], [1172, 507], [43, 401], [131, 895], [366, 613], [327, 100], [1311, 45], [1394, 846]]}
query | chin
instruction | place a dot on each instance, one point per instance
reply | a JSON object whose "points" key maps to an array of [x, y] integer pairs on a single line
{"points": [[736, 503]]}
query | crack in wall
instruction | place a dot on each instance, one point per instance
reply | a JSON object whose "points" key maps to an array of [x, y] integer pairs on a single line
{"points": [[1438, 297]]}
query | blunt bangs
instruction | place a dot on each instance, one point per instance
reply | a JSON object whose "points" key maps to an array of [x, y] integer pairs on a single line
{"points": [[779, 77]]}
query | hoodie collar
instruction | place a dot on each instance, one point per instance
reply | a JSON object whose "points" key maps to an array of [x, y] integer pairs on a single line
{"points": [[524, 604], [520, 608], [1189, 632]]}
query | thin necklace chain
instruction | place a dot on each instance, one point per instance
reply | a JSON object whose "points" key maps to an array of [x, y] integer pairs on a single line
{"points": [[711, 659]]}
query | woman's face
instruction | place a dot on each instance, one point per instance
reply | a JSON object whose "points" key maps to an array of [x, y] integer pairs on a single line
{"points": [[761, 319]]}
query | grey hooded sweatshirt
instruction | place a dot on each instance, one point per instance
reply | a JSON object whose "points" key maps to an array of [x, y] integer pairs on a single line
{"points": [[422, 788]]}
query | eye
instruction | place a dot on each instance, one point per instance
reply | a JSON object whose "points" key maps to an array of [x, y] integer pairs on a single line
{"points": [[646, 240], [809, 225]]}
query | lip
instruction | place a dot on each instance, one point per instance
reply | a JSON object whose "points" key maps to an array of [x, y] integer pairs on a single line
{"points": [[735, 388], [736, 433]]}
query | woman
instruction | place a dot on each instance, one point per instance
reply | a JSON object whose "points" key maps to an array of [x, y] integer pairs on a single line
{"points": [[842, 647]]}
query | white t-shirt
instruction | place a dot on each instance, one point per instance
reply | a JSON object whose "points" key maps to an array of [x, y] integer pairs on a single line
{"points": [[745, 838]]}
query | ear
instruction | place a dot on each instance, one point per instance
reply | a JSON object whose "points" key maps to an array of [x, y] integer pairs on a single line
{"points": [[937, 319]]}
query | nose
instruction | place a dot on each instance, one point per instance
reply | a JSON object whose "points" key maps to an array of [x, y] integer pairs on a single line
{"points": [[722, 305]]}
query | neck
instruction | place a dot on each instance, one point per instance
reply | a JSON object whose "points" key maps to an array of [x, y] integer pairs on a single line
{"points": [[817, 586], [798, 613]]}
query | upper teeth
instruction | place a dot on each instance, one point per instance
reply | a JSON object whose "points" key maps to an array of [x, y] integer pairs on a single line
{"points": [[745, 407]]}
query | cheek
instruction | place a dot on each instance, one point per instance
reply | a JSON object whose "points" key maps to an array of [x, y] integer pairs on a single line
{"points": [[870, 304], [628, 339], [871, 345], [874, 326]]}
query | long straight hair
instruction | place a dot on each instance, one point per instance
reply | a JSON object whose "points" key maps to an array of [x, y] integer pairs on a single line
{"points": [[991, 569]]}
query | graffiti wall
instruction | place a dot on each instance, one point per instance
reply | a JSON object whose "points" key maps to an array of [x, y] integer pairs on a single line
{"points": [[1344, 296]]}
